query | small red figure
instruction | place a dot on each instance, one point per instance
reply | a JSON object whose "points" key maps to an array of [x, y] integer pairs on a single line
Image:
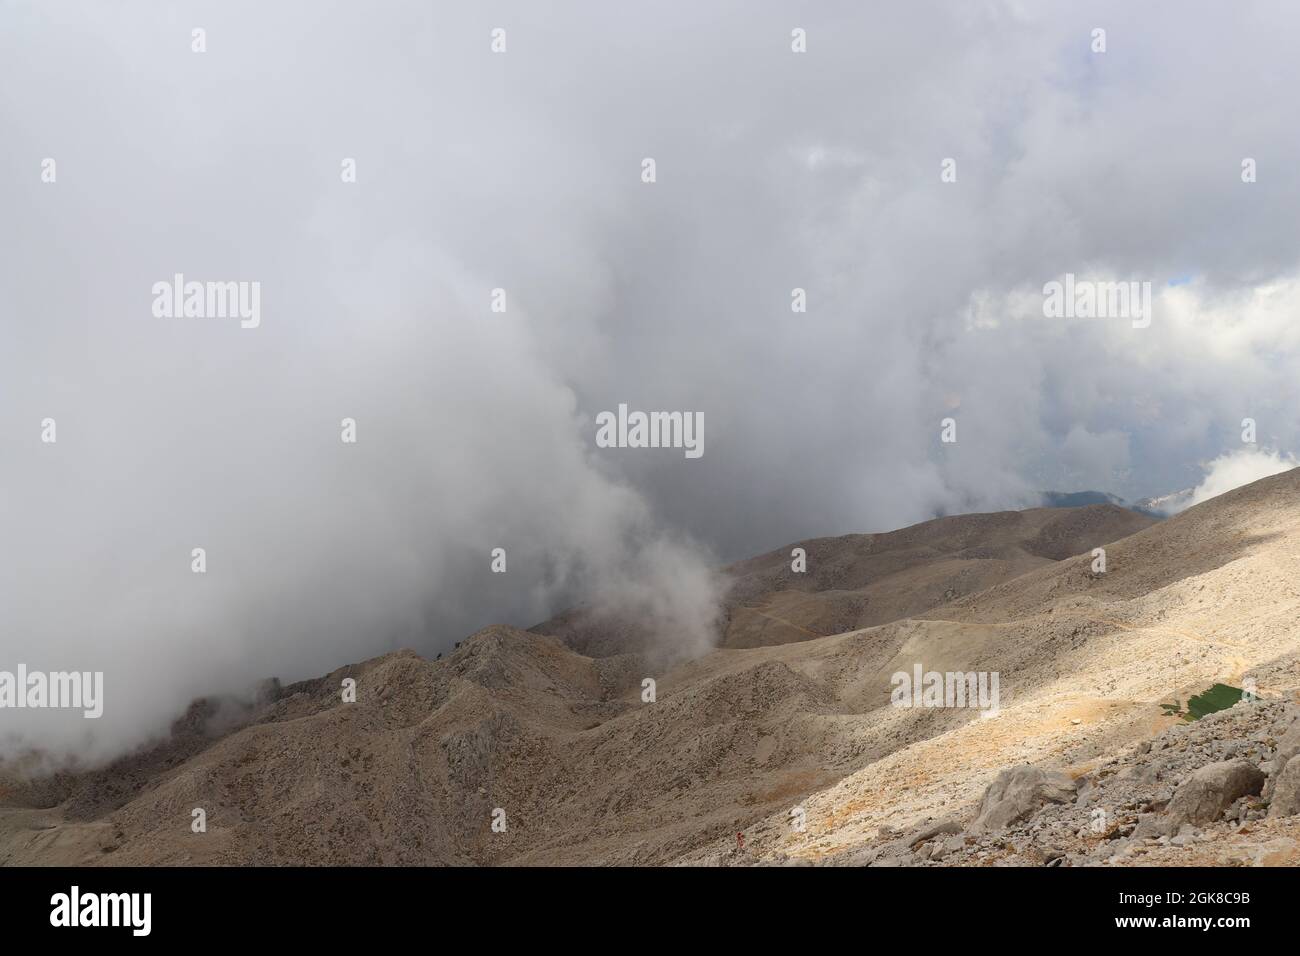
{"points": [[740, 841]]}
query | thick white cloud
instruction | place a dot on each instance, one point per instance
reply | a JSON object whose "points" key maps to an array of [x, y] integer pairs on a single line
{"points": [[1238, 468]]}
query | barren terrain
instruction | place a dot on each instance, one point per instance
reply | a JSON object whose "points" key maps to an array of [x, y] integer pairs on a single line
{"points": [[790, 713]]}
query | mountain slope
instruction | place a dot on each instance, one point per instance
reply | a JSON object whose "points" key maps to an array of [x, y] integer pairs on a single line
{"points": [[586, 769], [1086, 659]]}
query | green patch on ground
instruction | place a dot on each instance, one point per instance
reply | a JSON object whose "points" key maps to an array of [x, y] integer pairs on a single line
{"points": [[1218, 697]]}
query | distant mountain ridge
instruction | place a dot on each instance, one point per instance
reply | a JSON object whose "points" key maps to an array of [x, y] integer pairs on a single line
{"points": [[1165, 505], [1077, 499], [1159, 506]]}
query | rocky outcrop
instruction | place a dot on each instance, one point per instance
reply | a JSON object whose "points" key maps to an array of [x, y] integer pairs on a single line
{"points": [[1018, 792], [1207, 793]]}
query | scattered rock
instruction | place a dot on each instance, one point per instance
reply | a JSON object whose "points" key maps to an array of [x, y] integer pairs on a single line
{"points": [[932, 830], [1152, 825]]}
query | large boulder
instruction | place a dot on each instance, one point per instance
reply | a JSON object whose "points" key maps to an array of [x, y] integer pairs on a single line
{"points": [[1286, 790], [1018, 792], [1288, 745], [1203, 796]]}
